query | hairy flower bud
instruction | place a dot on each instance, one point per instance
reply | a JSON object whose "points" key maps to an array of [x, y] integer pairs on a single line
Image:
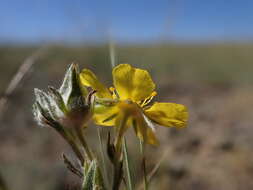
{"points": [[66, 106]]}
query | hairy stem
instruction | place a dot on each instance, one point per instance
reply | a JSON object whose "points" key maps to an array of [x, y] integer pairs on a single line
{"points": [[83, 142], [73, 145]]}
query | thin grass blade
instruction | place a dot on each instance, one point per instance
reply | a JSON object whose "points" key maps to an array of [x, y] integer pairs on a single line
{"points": [[126, 158]]}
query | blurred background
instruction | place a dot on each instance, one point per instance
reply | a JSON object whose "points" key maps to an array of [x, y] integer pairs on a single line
{"points": [[199, 53]]}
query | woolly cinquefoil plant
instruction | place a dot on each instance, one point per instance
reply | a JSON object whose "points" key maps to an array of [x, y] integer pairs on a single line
{"points": [[128, 104]]}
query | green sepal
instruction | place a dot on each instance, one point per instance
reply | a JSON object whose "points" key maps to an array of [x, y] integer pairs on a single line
{"points": [[71, 90], [93, 179], [43, 105], [48, 104], [44, 118], [57, 98]]}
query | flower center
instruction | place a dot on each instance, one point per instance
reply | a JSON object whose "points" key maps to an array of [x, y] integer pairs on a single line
{"points": [[129, 107]]}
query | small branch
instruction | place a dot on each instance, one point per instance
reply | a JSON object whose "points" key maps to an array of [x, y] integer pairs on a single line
{"points": [[83, 142], [73, 145], [154, 170], [24, 68], [157, 166], [143, 164], [71, 167]]}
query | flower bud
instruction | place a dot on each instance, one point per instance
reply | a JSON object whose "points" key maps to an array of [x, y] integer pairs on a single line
{"points": [[66, 106]]}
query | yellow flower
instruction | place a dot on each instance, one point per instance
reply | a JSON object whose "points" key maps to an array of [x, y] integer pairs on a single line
{"points": [[126, 105]]}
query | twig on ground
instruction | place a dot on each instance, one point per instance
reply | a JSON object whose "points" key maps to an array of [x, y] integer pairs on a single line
{"points": [[24, 68], [154, 170]]}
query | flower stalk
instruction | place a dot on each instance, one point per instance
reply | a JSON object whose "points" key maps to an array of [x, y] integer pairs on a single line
{"points": [[81, 137], [143, 165], [74, 147], [126, 158]]}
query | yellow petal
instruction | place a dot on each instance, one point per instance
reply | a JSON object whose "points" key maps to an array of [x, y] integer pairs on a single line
{"points": [[105, 115], [122, 123], [143, 131], [88, 78], [132, 83], [168, 114]]}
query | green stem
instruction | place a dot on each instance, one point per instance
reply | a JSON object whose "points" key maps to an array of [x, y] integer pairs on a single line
{"points": [[120, 133], [73, 145], [130, 184], [83, 142], [117, 160], [144, 165], [102, 155]]}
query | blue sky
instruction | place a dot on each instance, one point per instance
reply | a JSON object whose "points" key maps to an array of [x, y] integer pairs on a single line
{"points": [[126, 21]]}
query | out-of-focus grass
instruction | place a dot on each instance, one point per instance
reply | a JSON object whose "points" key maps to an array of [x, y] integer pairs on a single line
{"points": [[214, 64], [214, 81]]}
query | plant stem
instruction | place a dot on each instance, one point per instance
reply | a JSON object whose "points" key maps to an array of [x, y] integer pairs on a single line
{"points": [[118, 174], [119, 135], [73, 145], [71, 167], [103, 156], [83, 142], [117, 160], [130, 184], [144, 165]]}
